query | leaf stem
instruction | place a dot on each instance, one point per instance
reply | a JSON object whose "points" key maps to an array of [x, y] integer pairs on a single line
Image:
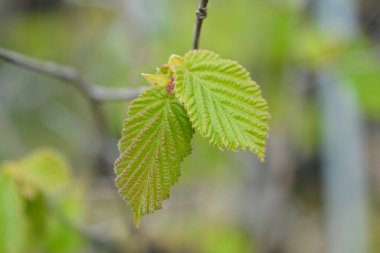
{"points": [[201, 15]]}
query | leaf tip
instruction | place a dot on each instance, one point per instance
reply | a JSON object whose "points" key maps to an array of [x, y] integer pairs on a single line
{"points": [[137, 219], [137, 223], [261, 155], [175, 60]]}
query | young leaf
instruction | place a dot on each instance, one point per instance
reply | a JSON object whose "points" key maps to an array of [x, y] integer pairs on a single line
{"points": [[163, 70], [155, 139], [159, 80], [222, 101]]}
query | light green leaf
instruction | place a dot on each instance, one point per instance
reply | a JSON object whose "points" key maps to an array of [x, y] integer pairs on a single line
{"points": [[13, 227], [45, 169], [175, 60], [159, 80], [155, 139], [222, 101]]}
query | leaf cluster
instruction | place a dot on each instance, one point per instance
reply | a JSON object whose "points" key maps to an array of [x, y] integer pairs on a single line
{"points": [[200, 91]]}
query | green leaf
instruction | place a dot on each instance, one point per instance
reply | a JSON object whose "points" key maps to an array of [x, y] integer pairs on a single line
{"points": [[45, 169], [175, 60], [62, 233], [37, 213], [13, 227], [222, 101], [155, 139]]}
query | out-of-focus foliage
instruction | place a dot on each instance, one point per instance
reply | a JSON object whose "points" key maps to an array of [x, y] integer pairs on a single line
{"points": [[219, 239], [43, 171], [38, 212], [12, 216], [356, 61], [361, 67]]}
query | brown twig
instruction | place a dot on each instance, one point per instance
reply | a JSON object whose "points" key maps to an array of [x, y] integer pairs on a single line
{"points": [[201, 15]]}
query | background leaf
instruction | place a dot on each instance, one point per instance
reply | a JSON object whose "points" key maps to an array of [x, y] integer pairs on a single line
{"points": [[156, 138], [13, 226], [222, 101], [45, 169]]}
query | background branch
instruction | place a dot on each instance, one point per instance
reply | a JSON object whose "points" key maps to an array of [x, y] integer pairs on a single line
{"points": [[91, 90], [201, 15], [94, 93]]}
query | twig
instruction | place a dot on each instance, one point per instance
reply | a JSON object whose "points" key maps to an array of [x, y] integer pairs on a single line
{"points": [[201, 15], [91, 90]]}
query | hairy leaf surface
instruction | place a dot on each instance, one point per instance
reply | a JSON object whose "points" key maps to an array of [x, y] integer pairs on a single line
{"points": [[222, 101], [155, 139]]}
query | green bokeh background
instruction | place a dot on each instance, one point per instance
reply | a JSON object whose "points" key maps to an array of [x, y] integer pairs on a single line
{"points": [[225, 202]]}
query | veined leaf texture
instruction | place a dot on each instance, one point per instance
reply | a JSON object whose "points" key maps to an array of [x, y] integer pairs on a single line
{"points": [[156, 138], [200, 91], [222, 101]]}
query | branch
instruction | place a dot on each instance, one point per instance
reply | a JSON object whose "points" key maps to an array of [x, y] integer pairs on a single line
{"points": [[201, 15], [95, 94], [92, 91]]}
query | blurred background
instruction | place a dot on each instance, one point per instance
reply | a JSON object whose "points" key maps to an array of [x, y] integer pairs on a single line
{"points": [[318, 64]]}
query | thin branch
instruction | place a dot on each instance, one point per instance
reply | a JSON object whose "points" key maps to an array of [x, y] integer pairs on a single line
{"points": [[201, 15], [91, 90]]}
